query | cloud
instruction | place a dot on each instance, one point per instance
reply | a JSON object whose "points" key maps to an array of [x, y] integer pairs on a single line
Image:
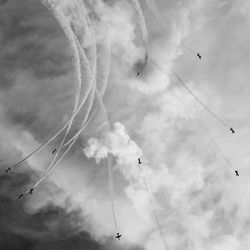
{"points": [[191, 190]]}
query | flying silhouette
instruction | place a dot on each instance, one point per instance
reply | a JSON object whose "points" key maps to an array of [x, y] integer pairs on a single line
{"points": [[233, 132], [199, 55], [7, 170], [139, 161], [236, 173], [54, 151], [118, 236], [31, 191], [20, 196]]}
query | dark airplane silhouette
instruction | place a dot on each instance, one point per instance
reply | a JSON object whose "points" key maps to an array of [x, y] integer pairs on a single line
{"points": [[236, 173], [233, 132], [31, 191], [139, 161], [7, 170], [20, 196], [118, 236], [199, 55], [54, 151]]}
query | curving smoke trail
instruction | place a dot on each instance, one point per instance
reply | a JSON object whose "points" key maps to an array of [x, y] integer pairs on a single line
{"points": [[53, 8]]}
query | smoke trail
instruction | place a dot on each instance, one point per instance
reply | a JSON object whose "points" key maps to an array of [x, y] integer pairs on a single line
{"points": [[111, 190], [104, 64], [198, 100], [192, 94], [141, 20], [150, 196], [58, 15], [190, 49], [208, 136]]}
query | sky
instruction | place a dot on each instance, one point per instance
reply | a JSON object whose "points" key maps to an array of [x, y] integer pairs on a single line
{"points": [[185, 195]]}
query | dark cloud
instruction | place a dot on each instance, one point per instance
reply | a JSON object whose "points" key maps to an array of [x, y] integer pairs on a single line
{"points": [[32, 40], [48, 228]]}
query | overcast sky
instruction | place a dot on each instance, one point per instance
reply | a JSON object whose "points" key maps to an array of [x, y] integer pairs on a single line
{"points": [[184, 195]]}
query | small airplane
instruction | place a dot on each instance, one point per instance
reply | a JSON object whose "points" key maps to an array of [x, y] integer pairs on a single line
{"points": [[118, 236], [54, 151], [236, 173], [7, 170], [199, 55], [31, 191], [233, 132], [139, 161], [20, 196]]}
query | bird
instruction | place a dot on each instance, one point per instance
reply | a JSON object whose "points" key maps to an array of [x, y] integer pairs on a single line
{"points": [[139, 161], [236, 172]]}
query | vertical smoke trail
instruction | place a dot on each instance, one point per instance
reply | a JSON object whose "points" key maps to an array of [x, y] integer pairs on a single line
{"points": [[150, 196], [111, 191]]}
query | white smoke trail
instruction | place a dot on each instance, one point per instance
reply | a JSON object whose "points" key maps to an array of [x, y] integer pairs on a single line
{"points": [[192, 94], [141, 20], [152, 202], [111, 190]]}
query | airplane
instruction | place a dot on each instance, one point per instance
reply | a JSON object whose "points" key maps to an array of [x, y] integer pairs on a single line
{"points": [[199, 55], [118, 236], [139, 161], [233, 132], [7, 170], [31, 191], [236, 172], [54, 151], [20, 196]]}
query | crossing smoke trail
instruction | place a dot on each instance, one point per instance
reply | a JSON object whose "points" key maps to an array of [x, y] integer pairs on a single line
{"points": [[58, 15]]}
